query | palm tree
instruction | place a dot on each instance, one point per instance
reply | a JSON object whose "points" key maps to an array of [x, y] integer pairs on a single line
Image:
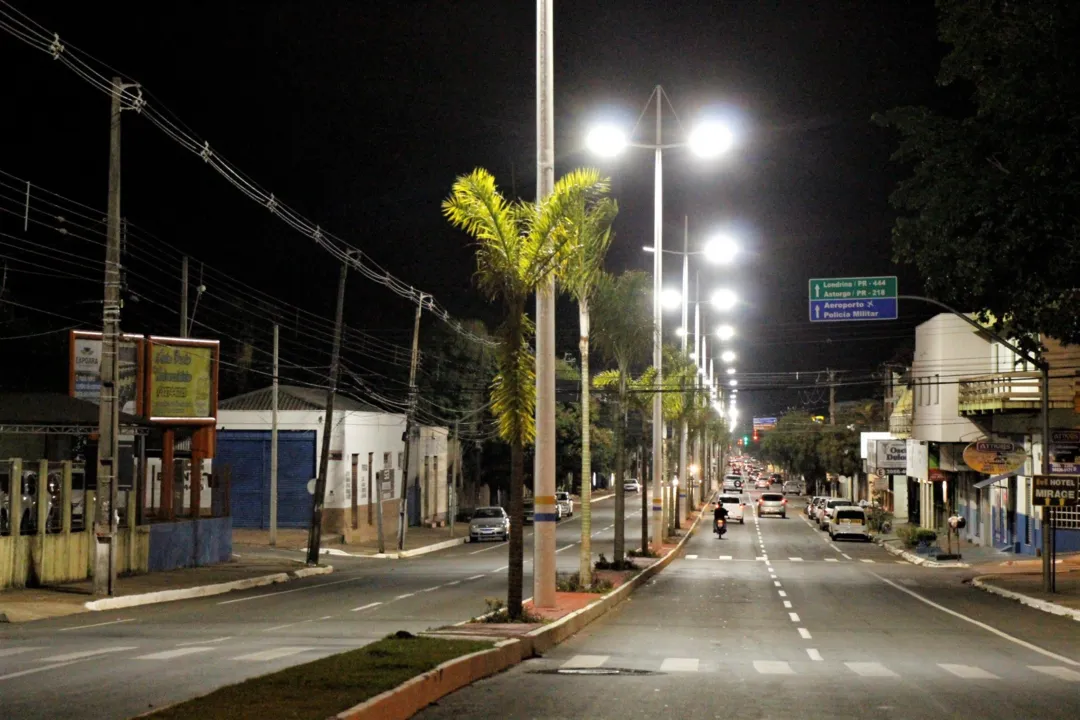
{"points": [[518, 247], [590, 236], [624, 335]]}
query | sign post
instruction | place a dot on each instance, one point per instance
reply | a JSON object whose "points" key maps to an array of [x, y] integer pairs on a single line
{"points": [[853, 299]]}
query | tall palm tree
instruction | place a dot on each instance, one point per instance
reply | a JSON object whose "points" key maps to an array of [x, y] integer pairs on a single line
{"points": [[518, 247], [590, 233], [624, 335]]}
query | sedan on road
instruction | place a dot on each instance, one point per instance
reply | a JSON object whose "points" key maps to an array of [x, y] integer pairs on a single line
{"points": [[771, 503], [761, 483], [565, 503], [734, 506], [489, 523], [631, 486]]}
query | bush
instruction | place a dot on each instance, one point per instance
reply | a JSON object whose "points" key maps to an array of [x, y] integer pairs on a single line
{"points": [[877, 518], [912, 535], [572, 583], [604, 564]]}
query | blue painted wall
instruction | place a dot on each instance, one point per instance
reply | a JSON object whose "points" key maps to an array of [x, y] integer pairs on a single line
{"points": [[190, 543], [1067, 540]]}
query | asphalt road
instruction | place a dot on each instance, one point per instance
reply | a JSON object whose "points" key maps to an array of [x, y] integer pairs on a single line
{"points": [[121, 663], [775, 621]]}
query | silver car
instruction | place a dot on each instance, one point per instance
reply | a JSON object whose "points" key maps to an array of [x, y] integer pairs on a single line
{"points": [[565, 503], [489, 523], [772, 503], [828, 508]]}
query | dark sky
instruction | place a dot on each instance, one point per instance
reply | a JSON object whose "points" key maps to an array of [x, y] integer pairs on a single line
{"points": [[360, 114]]}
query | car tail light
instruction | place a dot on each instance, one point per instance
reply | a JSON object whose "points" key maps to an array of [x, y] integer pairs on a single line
{"points": [[785, 501]]}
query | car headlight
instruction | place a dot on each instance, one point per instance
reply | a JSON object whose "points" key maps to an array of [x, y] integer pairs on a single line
{"points": [[474, 527]]}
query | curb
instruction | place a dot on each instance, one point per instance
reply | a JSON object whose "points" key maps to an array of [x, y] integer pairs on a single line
{"points": [[435, 547], [916, 559], [414, 695], [127, 601], [1044, 605]]}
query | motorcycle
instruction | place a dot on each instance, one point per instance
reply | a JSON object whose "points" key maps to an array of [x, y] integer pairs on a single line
{"points": [[720, 527]]}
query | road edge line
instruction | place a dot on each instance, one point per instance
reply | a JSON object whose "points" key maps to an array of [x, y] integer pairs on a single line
{"points": [[1032, 602], [161, 596]]}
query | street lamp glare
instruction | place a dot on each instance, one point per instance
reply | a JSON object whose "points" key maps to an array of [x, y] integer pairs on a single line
{"points": [[710, 139], [724, 299], [679, 332], [671, 299], [606, 140], [721, 250], [733, 383], [725, 332], [728, 356], [731, 371]]}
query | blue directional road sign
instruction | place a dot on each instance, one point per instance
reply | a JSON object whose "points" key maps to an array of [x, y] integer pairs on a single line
{"points": [[852, 310], [853, 299]]}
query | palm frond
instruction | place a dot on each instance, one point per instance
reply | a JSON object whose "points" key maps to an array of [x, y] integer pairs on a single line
{"points": [[513, 391]]}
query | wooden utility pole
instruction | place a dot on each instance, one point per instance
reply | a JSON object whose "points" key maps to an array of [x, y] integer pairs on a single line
{"points": [[273, 443], [184, 296], [108, 456], [315, 531], [832, 397], [402, 516]]}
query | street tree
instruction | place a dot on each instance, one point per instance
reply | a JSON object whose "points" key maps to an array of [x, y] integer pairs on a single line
{"points": [[519, 245], [624, 336], [589, 237], [988, 214]]}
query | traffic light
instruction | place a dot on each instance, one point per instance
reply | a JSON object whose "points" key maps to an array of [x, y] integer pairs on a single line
{"points": [[755, 436], [746, 439]]}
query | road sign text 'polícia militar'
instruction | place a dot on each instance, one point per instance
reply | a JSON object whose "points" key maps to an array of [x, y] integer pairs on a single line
{"points": [[853, 299]]}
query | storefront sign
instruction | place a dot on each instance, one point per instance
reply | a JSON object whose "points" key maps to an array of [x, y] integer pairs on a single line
{"points": [[891, 455], [182, 379], [994, 458], [1055, 490], [85, 378], [1065, 452]]}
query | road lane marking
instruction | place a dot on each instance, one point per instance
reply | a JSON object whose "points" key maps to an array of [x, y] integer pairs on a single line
{"points": [[1058, 672], [772, 575], [493, 547], [8, 652], [274, 654], [565, 547], [85, 654], [760, 557], [805, 634], [831, 560], [452, 584], [286, 592], [867, 560], [175, 653], [773, 667], [968, 672], [406, 595], [205, 642], [777, 583], [500, 569], [870, 669], [814, 655], [100, 624], [31, 671], [474, 577], [725, 557], [433, 587], [782, 593], [847, 556], [282, 627], [787, 604], [366, 607], [984, 626], [679, 665], [795, 559], [691, 557], [585, 661], [794, 617]]}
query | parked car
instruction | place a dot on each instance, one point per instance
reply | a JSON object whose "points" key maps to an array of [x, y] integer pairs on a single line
{"points": [[530, 510], [818, 507], [849, 522], [771, 503], [632, 486], [829, 507], [793, 487], [489, 523], [775, 479], [735, 505], [565, 503]]}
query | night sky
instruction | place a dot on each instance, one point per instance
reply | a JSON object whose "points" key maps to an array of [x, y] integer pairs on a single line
{"points": [[361, 114]]}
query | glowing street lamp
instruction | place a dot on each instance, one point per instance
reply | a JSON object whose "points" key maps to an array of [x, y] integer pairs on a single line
{"points": [[728, 356], [606, 140], [721, 250], [731, 371], [710, 139], [733, 383], [724, 299], [671, 299], [725, 332]]}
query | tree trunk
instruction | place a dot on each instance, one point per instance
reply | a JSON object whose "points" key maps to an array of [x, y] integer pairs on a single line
{"points": [[585, 565], [516, 573], [620, 471], [646, 483]]}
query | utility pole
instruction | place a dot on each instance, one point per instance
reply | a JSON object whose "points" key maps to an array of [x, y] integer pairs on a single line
{"points": [[451, 488], [402, 515], [273, 440], [108, 456], [315, 531], [184, 297], [544, 461], [832, 397], [658, 338]]}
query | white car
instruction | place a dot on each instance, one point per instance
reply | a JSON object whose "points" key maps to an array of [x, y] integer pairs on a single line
{"points": [[631, 486], [829, 508], [735, 506], [565, 503], [489, 523], [733, 483], [849, 522]]}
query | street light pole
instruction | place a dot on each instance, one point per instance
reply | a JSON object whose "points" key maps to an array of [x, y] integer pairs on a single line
{"points": [[658, 337], [680, 489]]}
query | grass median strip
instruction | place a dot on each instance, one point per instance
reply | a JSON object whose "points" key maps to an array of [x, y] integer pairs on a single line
{"points": [[322, 688]]}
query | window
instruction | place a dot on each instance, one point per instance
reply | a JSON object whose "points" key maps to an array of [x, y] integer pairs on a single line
{"points": [[1067, 518], [387, 459]]}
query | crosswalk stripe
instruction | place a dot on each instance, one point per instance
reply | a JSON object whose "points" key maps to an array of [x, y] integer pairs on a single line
{"points": [[170, 654], [795, 559], [968, 672], [1058, 672], [585, 661], [870, 669], [814, 655], [272, 654], [679, 665], [867, 560], [8, 652], [773, 667], [691, 557], [724, 557], [84, 654], [831, 560]]}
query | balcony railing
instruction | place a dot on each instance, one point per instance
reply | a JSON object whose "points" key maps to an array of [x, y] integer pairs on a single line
{"points": [[1009, 391], [900, 424]]}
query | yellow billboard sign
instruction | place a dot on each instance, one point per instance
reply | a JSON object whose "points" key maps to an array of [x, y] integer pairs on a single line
{"points": [[181, 380]]}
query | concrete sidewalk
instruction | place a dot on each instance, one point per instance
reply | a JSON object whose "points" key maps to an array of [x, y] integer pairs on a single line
{"points": [[71, 598], [970, 553], [1021, 580], [418, 541]]}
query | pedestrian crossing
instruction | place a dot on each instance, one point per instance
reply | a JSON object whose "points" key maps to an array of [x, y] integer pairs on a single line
{"points": [[17, 661], [815, 665], [767, 559]]}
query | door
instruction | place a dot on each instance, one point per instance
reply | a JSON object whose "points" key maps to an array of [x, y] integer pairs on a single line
{"points": [[355, 487], [247, 454]]}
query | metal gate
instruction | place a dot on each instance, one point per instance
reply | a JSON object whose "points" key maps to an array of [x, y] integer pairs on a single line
{"points": [[247, 455]]}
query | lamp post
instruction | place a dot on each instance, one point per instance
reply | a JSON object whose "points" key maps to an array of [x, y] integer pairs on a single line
{"points": [[707, 140]]}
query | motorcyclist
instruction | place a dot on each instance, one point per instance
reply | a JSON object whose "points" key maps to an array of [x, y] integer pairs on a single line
{"points": [[720, 513]]}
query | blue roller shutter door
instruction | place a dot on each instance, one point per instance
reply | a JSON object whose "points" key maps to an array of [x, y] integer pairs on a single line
{"points": [[247, 454]]}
